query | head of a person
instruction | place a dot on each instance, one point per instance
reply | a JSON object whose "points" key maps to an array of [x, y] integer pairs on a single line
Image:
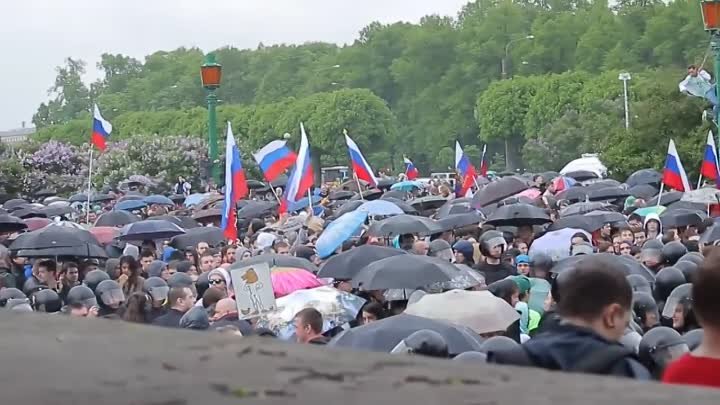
{"points": [[421, 247], [525, 232], [521, 246], [440, 248], [202, 247], [596, 295], [652, 225], [627, 235], [463, 252], [625, 248], [639, 237], [372, 312], [308, 325], [46, 270], [705, 286], [506, 289], [181, 298], [492, 245], [579, 239], [522, 263], [692, 70], [207, 262], [228, 254], [147, 256], [282, 248], [606, 230], [70, 273], [212, 296], [129, 266], [217, 280], [225, 307], [136, 308]]}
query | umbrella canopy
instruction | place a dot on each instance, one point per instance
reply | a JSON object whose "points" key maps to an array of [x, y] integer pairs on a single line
{"points": [[643, 212], [386, 183], [275, 260], [573, 194], [607, 193], [207, 215], [339, 231], [460, 220], [711, 234], [626, 264], [368, 195], [431, 202], [15, 203], [286, 280], [280, 181], [340, 195], [518, 215], [582, 175], [130, 197], [380, 208], [159, 200], [681, 217], [51, 237], [481, 311], [385, 334], [454, 208], [608, 217], [78, 198], [213, 236], [257, 209], [461, 276], [411, 271], [253, 184], [105, 234], [34, 224], [9, 223], [644, 176], [57, 211], [556, 244], [399, 194], [46, 192], [181, 221], [499, 190], [87, 250], [116, 218], [644, 191], [150, 230], [348, 206], [352, 185], [406, 186], [130, 205], [407, 208], [29, 212], [101, 197], [303, 203], [404, 224], [702, 196], [346, 265], [666, 198], [194, 199], [687, 205], [582, 208]]}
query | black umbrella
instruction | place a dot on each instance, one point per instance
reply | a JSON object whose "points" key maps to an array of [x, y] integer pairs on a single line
{"points": [[100, 197], [687, 205], [582, 175], [275, 260], [14, 203], [644, 176], [710, 235], [431, 202], [499, 190], [404, 271], [46, 192], [548, 176], [518, 215], [177, 198], [210, 234], [604, 183], [9, 223], [608, 217], [341, 195], [116, 218], [57, 211], [207, 215], [29, 212], [577, 222], [644, 191], [150, 230], [454, 209], [399, 194], [385, 334], [407, 208], [347, 264], [626, 264], [681, 217], [403, 224], [607, 193], [181, 221], [257, 209], [386, 183], [256, 185], [85, 250], [582, 208], [573, 194], [460, 220], [368, 195], [666, 199], [53, 236], [78, 198], [280, 181], [348, 206]]}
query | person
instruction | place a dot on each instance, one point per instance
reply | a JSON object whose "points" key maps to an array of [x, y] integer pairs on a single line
{"points": [[308, 327], [158, 268], [47, 301], [46, 270], [228, 254], [625, 248], [698, 83], [659, 347], [594, 301], [81, 302], [136, 309], [130, 279], [202, 248], [220, 279], [226, 314], [421, 248], [195, 318], [371, 312], [182, 187], [522, 262], [180, 300], [69, 277], [463, 252], [522, 246], [492, 246], [207, 262], [441, 249], [147, 256], [110, 298], [157, 291], [652, 226], [282, 248]]}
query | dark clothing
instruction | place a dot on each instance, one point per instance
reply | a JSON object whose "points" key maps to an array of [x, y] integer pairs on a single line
{"points": [[171, 319], [320, 340], [232, 320], [19, 273], [567, 346], [31, 285], [495, 272], [155, 313], [109, 313], [7, 279]]}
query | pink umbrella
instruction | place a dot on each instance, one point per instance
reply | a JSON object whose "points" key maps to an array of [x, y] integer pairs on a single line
{"points": [[286, 280], [531, 193], [33, 224], [105, 234]]}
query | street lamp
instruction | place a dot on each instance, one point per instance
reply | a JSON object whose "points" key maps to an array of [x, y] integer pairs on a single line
{"points": [[711, 20], [503, 66], [625, 77], [210, 74]]}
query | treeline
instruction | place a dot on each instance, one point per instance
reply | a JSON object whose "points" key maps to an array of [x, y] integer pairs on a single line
{"points": [[415, 88]]}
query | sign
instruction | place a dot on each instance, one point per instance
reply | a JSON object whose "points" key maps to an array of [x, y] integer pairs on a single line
{"points": [[253, 290]]}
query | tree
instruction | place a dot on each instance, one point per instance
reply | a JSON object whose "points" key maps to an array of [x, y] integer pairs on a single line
{"points": [[71, 96]]}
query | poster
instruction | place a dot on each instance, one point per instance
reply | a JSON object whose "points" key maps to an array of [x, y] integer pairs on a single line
{"points": [[253, 290]]}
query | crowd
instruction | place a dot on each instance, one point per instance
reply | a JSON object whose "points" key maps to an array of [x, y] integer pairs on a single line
{"points": [[573, 274]]}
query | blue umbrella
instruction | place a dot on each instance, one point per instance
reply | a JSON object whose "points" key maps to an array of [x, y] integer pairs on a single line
{"points": [[338, 232], [406, 186], [380, 207], [158, 199], [150, 230], [194, 199], [130, 205], [303, 203]]}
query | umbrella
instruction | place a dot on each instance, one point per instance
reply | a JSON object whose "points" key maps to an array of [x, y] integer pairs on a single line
{"points": [[85, 250], [159, 200], [461, 276], [209, 201], [130, 205], [130, 197], [406, 186], [341, 195], [591, 221], [9, 223], [46, 192], [582, 175], [460, 220], [207, 215], [403, 224], [336, 307], [213, 236], [626, 264], [386, 183], [78, 198], [452, 208], [380, 208], [280, 181], [101, 197], [643, 212], [34, 224], [666, 198], [286, 280], [348, 206], [57, 211], [177, 198], [368, 195], [346, 265], [711, 234], [352, 185], [644, 176], [607, 193], [687, 205], [481, 311], [582, 208], [29, 212], [105, 234], [573, 194], [194, 199], [607, 217], [644, 191], [150, 230], [15, 203], [702, 196], [69, 224], [518, 215], [556, 244], [53, 236], [531, 194], [385, 334], [275, 260], [681, 217], [431, 202], [302, 203], [181, 221], [399, 194], [257, 209], [499, 190], [116, 218], [411, 271], [256, 185], [339, 231], [407, 208]]}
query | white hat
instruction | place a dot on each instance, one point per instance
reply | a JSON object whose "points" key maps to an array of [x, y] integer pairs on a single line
{"points": [[264, 240]]}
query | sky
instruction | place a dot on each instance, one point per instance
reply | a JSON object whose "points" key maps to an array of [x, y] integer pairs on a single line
{"points": [[37, 35]]}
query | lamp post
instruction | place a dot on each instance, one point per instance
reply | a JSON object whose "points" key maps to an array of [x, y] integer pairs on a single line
{"points": [[210, 74], [503, 63], [711, 20], [625, 77]]}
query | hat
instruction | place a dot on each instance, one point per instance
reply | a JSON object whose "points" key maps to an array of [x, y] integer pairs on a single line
{"points": [[523, 283], [156, 268], [464, 247], [522, 259], [581, 249], [264, 240], [438, 245]]}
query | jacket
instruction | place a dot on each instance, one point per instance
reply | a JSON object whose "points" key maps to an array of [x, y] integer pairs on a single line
{"points": [[495, 272], [232, 320], [171, 319]]}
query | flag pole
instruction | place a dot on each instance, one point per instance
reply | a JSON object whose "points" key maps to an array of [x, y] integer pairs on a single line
{"points": [[699, 182], [275, 193], [310, 201], [662, 187], [87, 212], [358, 184]]}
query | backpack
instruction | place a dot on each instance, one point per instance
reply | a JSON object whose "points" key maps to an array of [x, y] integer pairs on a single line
{"points": [[601, 361]]}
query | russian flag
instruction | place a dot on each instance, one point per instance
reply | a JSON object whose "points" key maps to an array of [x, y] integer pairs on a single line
{"points": [[101, 130], [301, 178], [464, 168], [274, 158], [562, 183], [483, 162], [411, 172], [360, 166], [709, 168], [674, 174], [235, 186]]}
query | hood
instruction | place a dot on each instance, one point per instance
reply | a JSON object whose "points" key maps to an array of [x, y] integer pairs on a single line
{"points": [[196, 318], [561, 348], [655, 217], [228, 280], [156, 268], [239, 252]]}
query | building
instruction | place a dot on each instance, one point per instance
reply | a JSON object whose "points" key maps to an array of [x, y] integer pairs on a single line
{"points": [[16, 136]]}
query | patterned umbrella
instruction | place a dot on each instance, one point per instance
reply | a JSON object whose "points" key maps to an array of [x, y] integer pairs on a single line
{"points": [[105, 234]]}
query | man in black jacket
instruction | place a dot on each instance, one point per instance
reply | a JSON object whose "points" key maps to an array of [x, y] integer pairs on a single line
{"points": [[492, 246], [180, 299], [226, 314]]}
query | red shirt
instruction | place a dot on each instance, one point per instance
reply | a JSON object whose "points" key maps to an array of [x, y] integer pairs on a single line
{"points": [[692, 370]]}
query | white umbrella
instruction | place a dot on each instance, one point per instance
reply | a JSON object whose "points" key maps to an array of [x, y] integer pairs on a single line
{"points": [[556, 244], [478, 310], [702, 196]]}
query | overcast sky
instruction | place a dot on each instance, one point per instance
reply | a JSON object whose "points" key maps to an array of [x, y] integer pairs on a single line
{"points": [[36, 35]]}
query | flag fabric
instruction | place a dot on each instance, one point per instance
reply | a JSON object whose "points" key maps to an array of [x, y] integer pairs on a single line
{"points": [[100, 131], [360, 166], [274, 158], [301, 178], [562, 183], [709, 168], [483, 162], [464, 168], [235, 186], [674, 174], [411, 172]]}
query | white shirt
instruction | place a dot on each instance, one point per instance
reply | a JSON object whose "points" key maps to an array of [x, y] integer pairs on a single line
{"points": [[698, 86]]}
